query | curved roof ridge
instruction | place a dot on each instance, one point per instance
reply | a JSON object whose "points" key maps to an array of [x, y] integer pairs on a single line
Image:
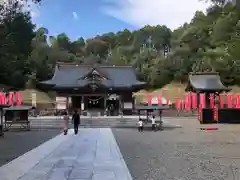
{"points": [[89, 65]]}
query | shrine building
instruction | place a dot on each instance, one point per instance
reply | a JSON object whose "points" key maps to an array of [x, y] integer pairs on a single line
{"points": [[94, 88]]}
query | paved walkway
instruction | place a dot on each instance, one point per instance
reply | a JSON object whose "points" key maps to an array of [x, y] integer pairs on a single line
{"points": [[93, 154], [108, 117]]}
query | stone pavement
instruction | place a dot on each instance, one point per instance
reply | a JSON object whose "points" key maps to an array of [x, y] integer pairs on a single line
{"points": [[93, 154]]}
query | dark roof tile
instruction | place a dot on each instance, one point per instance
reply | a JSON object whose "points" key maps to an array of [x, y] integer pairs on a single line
{"points": [[70, 75]]}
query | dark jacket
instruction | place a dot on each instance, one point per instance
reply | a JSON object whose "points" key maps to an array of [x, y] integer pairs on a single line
{"points": [[76, 118]]}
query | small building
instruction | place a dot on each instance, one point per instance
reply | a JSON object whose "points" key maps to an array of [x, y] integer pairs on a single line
{"points": [[94, 88], [206, 82]]}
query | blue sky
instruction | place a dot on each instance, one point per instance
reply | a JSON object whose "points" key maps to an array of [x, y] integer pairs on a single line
{"points": [[88, 18]]}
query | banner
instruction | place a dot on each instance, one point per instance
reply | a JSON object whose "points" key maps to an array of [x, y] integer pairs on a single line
{"points": [[188, 102], [194, 100], [215, 113], [1, 96], [235, 101], [178, 104], [229, 101], [200, 113], [212, 101], [238, 101], [18, 99], [221, 100], [182, 104], [149, 99], [159, 98], [202, 98], [4, 99], [11, 98]]}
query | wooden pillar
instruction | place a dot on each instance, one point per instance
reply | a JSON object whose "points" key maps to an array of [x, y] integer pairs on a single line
{"points": [[121, 104], [67, 105], [105, 101], [82, 103]]}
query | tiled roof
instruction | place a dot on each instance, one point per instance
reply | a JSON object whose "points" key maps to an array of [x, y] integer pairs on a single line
{"points": [[71, 75], [208, 81]]}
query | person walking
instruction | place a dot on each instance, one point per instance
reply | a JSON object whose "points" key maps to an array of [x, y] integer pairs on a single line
{"points": [[140, 125], [76, 121], [65, 122], [153, 123]]}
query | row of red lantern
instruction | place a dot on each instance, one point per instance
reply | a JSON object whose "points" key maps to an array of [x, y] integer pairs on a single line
{"points": [[11, 98]]}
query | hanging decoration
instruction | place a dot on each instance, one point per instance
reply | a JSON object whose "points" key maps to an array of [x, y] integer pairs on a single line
{"points": [[94, 100]]}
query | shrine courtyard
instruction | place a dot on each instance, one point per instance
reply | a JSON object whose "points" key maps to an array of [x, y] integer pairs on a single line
{"points": [[123, 154]]}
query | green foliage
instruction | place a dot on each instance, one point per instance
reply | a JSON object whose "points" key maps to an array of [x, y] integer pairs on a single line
{"points": [[210, 42]]}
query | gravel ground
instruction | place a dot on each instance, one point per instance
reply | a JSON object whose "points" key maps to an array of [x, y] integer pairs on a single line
{"points": [[181, 154], [16, 143]]}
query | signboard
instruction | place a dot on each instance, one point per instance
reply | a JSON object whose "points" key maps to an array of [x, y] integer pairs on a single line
{"points": [[61, 103], [127, 105]]}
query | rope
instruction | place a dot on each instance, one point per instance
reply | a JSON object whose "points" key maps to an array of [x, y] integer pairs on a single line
{"points": [[94, 100]]}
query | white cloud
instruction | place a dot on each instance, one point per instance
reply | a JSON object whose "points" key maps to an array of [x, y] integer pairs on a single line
{"points": [[75, 15], [172, 13]]}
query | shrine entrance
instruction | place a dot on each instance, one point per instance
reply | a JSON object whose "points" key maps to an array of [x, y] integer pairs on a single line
{"points": [[94, 102]]}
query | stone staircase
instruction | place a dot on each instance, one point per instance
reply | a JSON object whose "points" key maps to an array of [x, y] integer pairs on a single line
{"points": [[108, 122], [93, 122]]}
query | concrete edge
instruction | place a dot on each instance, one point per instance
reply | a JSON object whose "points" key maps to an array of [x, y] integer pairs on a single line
{"points": [[129, 176], [22, 164]]}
